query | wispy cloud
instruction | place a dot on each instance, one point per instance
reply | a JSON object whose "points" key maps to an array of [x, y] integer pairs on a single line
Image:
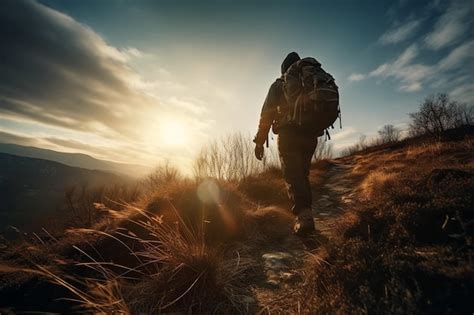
{"points": [[410, 74], [457, 56], [348, 132], [452, 25], [7, 137], [345, 138], [411, 87], [68, 77], [356, 77], [464, 92], [132, 52], [400, 33], [63, 78], [413, 75], [411, 70], [119, 153]]}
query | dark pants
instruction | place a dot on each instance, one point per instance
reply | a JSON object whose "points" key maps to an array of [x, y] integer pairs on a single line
{"points": [[296, 149]]}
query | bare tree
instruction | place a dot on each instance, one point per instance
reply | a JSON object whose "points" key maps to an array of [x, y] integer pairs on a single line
{"points": [[230, 157], [389, 134], [438, 114], [464, 115]]}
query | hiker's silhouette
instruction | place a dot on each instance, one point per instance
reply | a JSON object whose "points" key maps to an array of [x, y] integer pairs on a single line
{"points": [[299, 106]]}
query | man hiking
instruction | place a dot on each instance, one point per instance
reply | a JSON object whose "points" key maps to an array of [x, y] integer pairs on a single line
{"points": [[299, 107]]}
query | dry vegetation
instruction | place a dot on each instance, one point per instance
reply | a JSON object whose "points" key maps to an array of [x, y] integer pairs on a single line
{"points": [[170, 251], [407, 245], [174, 245], [185, 245], [188, 245]]}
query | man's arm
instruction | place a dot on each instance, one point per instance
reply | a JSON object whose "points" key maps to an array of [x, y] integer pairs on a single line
{"points": [[269, 111]]}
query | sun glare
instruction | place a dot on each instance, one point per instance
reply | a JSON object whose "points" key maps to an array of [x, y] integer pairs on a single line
{"points": [[174, 133]]}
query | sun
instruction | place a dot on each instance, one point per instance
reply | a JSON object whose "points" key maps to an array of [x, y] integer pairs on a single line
{"points": [[174, 133]]}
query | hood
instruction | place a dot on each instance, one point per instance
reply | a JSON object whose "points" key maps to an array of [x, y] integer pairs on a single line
{"points": [[289, 60]]}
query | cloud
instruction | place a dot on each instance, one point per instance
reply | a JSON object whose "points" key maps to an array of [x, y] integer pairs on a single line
{"points": [[56, 71], [132, 52], [6, 137], [70, 90], [113, 153], [348, 132], [411, 87], [345, 138], [451, 26], [400, 33], [464, 93], [393, 68], [412, 75], [446, 66], [356, 77], [457, 56]]}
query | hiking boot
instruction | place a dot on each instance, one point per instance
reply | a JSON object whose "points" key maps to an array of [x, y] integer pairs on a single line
{"points": [[304, 223]]}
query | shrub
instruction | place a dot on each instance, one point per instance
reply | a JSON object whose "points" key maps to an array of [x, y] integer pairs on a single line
{"points": [[438, 114], [174, 270], [162, 175], [230, 158], [389, 134]]}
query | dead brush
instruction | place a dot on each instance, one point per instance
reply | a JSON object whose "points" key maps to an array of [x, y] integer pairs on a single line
{"points": [[175, 271]]}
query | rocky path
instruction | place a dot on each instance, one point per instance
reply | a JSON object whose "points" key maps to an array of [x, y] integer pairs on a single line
{"points": [[333, 198], [282, 262]]}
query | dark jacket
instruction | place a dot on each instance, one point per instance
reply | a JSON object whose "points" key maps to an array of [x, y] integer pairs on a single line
{"points": [[274, 99]]}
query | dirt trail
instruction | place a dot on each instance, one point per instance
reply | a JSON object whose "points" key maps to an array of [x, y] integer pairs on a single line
{"points": [[281, 263]]}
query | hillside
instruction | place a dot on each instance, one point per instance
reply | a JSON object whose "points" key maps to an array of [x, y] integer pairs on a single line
{"points": [[396, 229], [33, 189], [75, 159]]}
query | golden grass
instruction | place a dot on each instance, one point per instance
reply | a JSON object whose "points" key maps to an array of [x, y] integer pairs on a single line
{"points": [[174, 270], [172, 251], [406, 241], [185, 246], [375, 181]]}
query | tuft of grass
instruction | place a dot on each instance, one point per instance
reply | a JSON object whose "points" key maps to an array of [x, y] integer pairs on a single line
{"points": [[174, 271], [375, 181], [267, 188]]}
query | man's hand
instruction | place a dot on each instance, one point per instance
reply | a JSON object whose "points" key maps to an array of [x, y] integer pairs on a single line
{"points": [[259, 151]]}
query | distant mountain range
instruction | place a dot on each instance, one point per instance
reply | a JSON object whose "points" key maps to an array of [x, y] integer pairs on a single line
{"points": [[31, 189], [75, 159]]}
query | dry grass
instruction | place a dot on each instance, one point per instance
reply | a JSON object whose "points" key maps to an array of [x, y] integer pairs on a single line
{"points": [[406, 246], [375, 181], [169, 268], [180, 248], [268, 188], [186, 246]]}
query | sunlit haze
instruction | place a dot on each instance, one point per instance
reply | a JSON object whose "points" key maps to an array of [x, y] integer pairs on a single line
{"points": [[152, 81]]}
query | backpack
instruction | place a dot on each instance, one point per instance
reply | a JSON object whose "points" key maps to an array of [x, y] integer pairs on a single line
{"points": [[312, 97]]}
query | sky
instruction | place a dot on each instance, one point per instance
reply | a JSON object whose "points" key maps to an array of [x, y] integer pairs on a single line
{"points": [[153, 81]]}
